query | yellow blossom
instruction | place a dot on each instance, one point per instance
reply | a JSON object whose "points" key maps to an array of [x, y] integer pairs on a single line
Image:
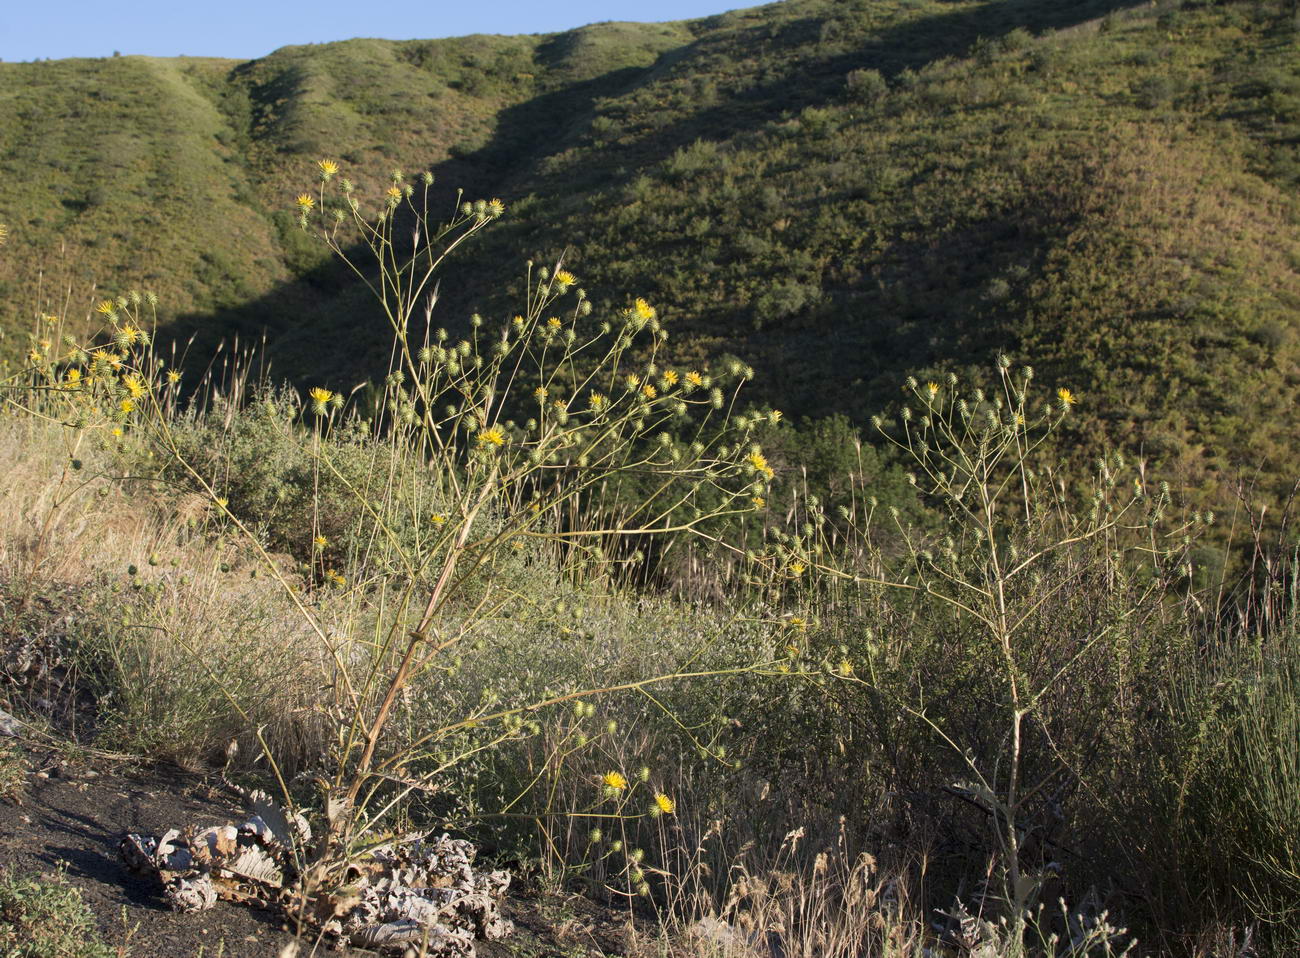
{"points": [[106, 306], [615, 780], [759, 502], [797, 568], [553, 323], [438, 518], [173, 376], [320, 542], [327, 168], [305, 202], [4, 234], [670, 377], [393, 193], [648, 391], [117, 432], [133, 386], [335, 577], [564, 278], [663, 804], [491, 437], [496, 207], [931, 390], [1066, 397], [694, 378], [643, 310], [597, 402], [759, 462], [320, 394], [539, 393], [126, 405]]}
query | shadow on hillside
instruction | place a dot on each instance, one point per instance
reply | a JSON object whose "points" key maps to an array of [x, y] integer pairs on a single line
{"points": [[324, 326]]}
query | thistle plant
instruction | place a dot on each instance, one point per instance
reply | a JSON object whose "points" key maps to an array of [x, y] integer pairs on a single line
{"points": [[513, 442], [1017, 541], [97, 390], [522, 423]]}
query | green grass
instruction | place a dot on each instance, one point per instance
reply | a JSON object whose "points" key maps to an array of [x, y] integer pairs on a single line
{"points": [[1110, 195], [42, 916], [1102, 193]]}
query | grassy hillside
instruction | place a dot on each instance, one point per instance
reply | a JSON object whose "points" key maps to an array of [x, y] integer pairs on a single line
{"points": [[1109, 193]]}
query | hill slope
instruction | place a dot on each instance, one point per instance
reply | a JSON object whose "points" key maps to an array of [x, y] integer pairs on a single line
{"points": [[1108, 193]]}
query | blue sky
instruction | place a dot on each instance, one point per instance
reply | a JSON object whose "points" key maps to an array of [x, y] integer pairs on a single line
{"points": [[243, 29]]}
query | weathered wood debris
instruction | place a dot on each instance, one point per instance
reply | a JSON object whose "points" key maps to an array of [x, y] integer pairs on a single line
{"points": [[418, 892]]}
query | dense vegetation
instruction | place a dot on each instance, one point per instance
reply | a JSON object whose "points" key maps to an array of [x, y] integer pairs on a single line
{"points": [[1107, 192], [891, 690]]}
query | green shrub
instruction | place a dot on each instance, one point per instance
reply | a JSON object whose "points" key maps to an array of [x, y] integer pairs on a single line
{"points": [[42, 916]]}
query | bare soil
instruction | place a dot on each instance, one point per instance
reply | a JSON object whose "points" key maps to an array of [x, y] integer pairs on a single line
{"points": [[72, 815]]}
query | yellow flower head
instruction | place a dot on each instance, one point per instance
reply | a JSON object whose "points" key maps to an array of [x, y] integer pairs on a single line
{"points": [[496, 207], [553, 323], [394, 193], [173, 376], [931, 390], [117, 432], [106, 306], [438, 518], [759, 502], [73, 377], [4, 234], [797, 568], [643, 310], [336, 577], [759, 462], [1066, 397], [663, 804], [540, 393], [694, 378], [126, 405], [597, 402], [649, 391], [670, 377], [305, 202], [320, 542], [133, 386], [327, 168], [491, 437], [320, 394], [615, 780], [564, 278]]}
